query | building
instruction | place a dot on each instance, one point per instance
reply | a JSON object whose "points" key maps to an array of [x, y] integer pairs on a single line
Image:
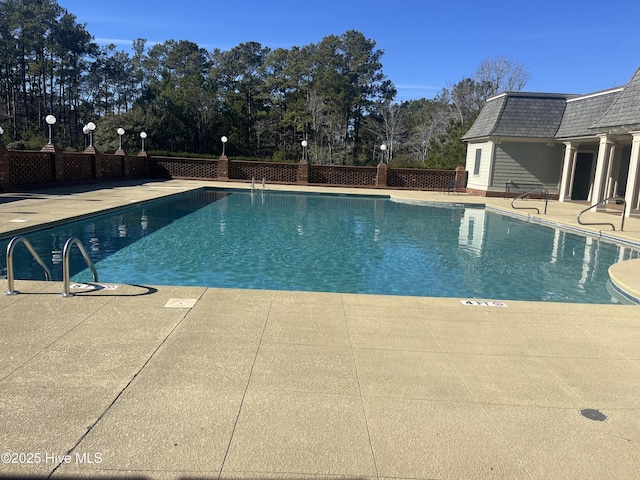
{"points": [[578, 147]]}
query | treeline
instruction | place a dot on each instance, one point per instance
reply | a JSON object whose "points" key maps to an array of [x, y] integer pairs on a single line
{"points": [[332, 94]]}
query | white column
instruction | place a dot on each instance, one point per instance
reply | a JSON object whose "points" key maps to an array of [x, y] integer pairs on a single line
{"points": [[632, 195], [568, 166], [602, 167], [609, 180], [492, 161]]}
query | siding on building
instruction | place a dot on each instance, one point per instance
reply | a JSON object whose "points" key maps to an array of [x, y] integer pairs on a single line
{"points": [[480, 181], [527, 162]]}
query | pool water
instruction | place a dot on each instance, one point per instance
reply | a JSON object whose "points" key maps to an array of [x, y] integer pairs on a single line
{"points": [[332, 243]]}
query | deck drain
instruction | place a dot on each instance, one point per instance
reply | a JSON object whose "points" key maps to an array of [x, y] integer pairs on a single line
{"points": [[592, 414]]}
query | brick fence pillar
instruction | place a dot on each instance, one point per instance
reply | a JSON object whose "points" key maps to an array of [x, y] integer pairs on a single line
{"points": [[303, 172], [381, 175], [461, 178], [223, 167]]}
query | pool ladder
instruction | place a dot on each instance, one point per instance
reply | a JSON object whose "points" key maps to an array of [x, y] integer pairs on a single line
{"points": [[526, 194], [15, 241], [618, 200], [253, 184]]}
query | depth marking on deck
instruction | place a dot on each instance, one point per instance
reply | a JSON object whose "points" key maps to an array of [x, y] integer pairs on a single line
{"points": [[476, 303]]}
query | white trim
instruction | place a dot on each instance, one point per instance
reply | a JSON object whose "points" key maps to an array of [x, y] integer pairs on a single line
{"points": [[597, 94]]}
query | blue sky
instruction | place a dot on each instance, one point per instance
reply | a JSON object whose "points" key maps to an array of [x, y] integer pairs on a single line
{"points": [[568, 46]]}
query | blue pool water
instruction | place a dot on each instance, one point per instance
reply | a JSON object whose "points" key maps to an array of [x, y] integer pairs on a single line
{"points": [[332, 243]]}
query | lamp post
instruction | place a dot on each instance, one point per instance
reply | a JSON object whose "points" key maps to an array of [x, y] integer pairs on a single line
{"points": [[304, 149], [85, 130], [2, 147], [49, 147], [120, 132], [383, 148], [89, 128], [143, 135], [224, 141]]}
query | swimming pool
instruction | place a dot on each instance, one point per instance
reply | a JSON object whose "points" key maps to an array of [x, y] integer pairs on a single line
{"points": [[332, 243]]}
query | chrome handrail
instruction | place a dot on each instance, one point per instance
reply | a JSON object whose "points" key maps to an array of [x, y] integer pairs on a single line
{"points": [[10, 248], [624, 210], [546, 200], [65, 265]]}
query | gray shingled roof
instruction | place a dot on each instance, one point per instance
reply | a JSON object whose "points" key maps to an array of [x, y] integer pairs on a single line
{"points": [[626, 110], [541, 115], [582, 112], [487, 118], [531, 116], [536, 115]]}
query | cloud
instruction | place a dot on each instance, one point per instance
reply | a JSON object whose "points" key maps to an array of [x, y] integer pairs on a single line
{"points": [[417, 87], [120, 41]]}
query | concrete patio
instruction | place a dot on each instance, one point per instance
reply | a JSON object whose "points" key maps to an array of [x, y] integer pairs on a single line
{"points": [[190, 382]]}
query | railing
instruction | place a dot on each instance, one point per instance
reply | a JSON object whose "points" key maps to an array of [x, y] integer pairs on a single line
{"points": [[10, 248], [66, 276], [546, 200], [624, 209]]}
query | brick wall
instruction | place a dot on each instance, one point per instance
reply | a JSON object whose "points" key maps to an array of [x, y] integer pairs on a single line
{"points": [[20, 170]]}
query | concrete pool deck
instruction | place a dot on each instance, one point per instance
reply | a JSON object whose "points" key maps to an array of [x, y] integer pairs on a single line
{"points": [[190, 382]]}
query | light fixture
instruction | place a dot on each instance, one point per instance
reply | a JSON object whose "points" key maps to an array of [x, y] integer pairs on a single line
{"points": [[383, 148], [51, 121], [120, 132], [304, 149], [224, 141], [143, 135], [91, 127]]}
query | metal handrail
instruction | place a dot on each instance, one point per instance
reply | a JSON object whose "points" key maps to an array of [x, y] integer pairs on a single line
{"points": [[65, 265], [624, 210], [546, 200], [10, 247]]}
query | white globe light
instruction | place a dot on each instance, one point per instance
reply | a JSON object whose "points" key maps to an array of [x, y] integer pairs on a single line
{"points": [[304, 143], [383, 147], [50, 119], [120, 131], [143, 135], [91, 126], [85, 130], [1, 131], [224, 139]]}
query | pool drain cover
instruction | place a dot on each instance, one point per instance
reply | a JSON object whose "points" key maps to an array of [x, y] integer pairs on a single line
{"points": [[592, 414]]}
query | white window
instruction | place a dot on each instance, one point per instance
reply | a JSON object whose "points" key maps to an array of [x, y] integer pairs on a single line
{"points": [[476, 166]]}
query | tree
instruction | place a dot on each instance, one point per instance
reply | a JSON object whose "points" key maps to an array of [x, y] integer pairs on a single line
{"points": [[179, 94], [43, 65], [241, 76], [447, 150], [502, 74], [389, 126], [426, 119], [348, 76]]}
